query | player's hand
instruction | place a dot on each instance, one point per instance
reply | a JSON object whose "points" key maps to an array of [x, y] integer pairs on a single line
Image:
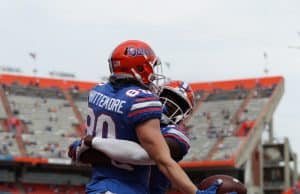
{"points": [[72, 153], [76, 149], [88, 140], [212, 189]]}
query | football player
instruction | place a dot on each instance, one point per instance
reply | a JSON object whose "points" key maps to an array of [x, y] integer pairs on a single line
{"points": [[125, 108], [177, 98]]}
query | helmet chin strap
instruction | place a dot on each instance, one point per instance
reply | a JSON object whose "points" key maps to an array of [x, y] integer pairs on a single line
{"points": [[178, 119], [153, 88], [139, 79], [167, 121], [136, 75]]}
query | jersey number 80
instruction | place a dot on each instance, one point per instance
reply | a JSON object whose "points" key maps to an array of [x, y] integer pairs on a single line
{"points": [[101, 126]]}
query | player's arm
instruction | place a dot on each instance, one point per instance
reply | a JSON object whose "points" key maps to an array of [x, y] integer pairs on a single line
{"points": [[153, 142], [177, 141], [175, 148], [77, 150], [132, 153], [120, 150]]}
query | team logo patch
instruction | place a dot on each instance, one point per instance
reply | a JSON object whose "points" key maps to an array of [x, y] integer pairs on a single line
{"points": [[183, 88], [132, 51]]}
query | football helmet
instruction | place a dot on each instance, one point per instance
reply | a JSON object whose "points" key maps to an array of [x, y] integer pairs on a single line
{"points": [[177, 99], [136, 59]]}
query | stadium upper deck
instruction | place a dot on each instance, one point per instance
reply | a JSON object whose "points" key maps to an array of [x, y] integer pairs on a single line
{"points": [[39, 117]]}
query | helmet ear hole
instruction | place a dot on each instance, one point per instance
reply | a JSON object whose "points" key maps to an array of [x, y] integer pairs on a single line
{"points": [[124, 69], [140, 68]]}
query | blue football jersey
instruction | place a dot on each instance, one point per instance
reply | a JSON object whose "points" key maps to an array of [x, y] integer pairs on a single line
{"points": [[179, 135], [159, 184], [114, 112]]}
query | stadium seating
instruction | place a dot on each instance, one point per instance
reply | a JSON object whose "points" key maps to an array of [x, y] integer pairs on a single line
{"points": [[8, 188], [80, 99], [221, 122], [46, 145], [51, 111], [2, 111], [52, 189], [44, 111], [211, 121], [7, 175], [8, 144], [50, 119]]}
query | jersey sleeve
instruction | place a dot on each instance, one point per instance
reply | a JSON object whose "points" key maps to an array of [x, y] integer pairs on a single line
{"points": [[122, 151], [179, 136], [144, 107]]}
